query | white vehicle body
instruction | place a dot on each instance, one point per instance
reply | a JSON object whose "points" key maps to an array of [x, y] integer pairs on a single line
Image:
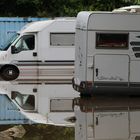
{"points": [[42, 69], [107, 119], [42, 53], [107, 53]]}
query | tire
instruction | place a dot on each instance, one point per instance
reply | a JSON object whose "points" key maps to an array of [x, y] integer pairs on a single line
{"points": [[9, 72]]}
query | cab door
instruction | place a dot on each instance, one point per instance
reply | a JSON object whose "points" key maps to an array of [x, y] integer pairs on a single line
{"points": [[25, 57]]}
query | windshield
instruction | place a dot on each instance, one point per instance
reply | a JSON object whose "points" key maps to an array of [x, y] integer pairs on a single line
{"points": [[9, 42]]}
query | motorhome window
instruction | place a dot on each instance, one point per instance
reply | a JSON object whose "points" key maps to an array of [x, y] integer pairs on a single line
{"points": [[25, 101], [62, 39], [61, 105], [25, 43], [111, 40]]}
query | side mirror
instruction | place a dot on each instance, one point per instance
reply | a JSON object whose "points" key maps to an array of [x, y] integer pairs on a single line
{"points": [[14, 50], [13, 95]]}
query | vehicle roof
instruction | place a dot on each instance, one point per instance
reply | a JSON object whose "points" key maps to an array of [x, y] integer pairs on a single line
{"points": [[82, 18], [40, 25], [104, 20]]}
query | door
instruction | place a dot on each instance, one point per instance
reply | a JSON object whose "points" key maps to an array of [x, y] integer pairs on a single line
{"points": [[111, 68], [25, 57], [111, 125]]}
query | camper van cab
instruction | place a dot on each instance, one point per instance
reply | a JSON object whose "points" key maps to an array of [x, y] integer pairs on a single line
{"points": [[107, 53], [40, 45]]}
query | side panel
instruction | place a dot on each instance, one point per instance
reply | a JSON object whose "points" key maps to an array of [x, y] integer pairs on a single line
{"points": [[111, 68], [111, 125], [53, 52], [80, 55], [134, 121]]}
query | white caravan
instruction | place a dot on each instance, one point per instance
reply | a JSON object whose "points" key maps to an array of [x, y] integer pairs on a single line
{"points": [[101, 118], [107, 53], [39, 63]]}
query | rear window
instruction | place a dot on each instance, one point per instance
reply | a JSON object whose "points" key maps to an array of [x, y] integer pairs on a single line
{"points": [[112, 40], [62, 39]]}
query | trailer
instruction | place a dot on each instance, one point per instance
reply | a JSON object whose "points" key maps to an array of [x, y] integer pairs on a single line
{"points": [[101, 118], [107, 55]]}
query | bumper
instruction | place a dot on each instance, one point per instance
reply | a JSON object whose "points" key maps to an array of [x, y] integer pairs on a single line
{"points": [[87, 88]]}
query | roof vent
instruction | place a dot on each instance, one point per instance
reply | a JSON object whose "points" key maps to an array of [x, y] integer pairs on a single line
{"points": [[131, 9]]}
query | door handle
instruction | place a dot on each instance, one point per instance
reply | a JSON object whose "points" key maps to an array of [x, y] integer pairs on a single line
{"points": [[97, 121], [34, 53], [97, 71]]}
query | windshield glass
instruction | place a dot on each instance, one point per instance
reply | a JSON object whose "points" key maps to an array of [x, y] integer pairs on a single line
{"points": [[9, 42]]}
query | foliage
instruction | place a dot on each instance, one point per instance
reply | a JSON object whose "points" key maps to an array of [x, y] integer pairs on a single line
{"points": [[44, 132], [58, 8], [48, 132]]}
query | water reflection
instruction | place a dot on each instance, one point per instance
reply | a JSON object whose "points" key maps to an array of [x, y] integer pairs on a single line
{"points": [[46, 104]]}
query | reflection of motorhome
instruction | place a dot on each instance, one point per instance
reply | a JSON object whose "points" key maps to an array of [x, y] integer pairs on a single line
{"points": [[39, 64], [110, 118], [42, 52], [48, 104], [107, 53]]}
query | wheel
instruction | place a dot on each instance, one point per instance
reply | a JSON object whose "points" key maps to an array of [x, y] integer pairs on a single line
{"points": [[9, 72]]}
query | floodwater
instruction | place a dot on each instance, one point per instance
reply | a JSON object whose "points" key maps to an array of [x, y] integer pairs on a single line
{"points": [[41, 132]]}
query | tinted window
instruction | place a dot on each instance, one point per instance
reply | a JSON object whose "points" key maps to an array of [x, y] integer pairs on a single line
{"points": [[111, 40]]}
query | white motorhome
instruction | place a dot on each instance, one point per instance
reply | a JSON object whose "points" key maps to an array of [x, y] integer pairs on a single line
{"points": [[47, 104], [43, 51], [107, 53], [39, 63], [101, 118]]}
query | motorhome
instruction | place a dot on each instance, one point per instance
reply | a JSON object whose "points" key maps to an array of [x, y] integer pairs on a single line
{"points": [[107, 57], [37, 66], [101, 118], [43, 51]]}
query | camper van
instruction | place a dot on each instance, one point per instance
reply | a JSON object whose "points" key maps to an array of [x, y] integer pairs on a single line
{"points": [[37, 68], [107, 57], [46, 104], [42, 52]]}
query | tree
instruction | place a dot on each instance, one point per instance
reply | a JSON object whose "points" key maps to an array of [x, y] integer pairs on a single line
{"points": [[58, 8]]}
